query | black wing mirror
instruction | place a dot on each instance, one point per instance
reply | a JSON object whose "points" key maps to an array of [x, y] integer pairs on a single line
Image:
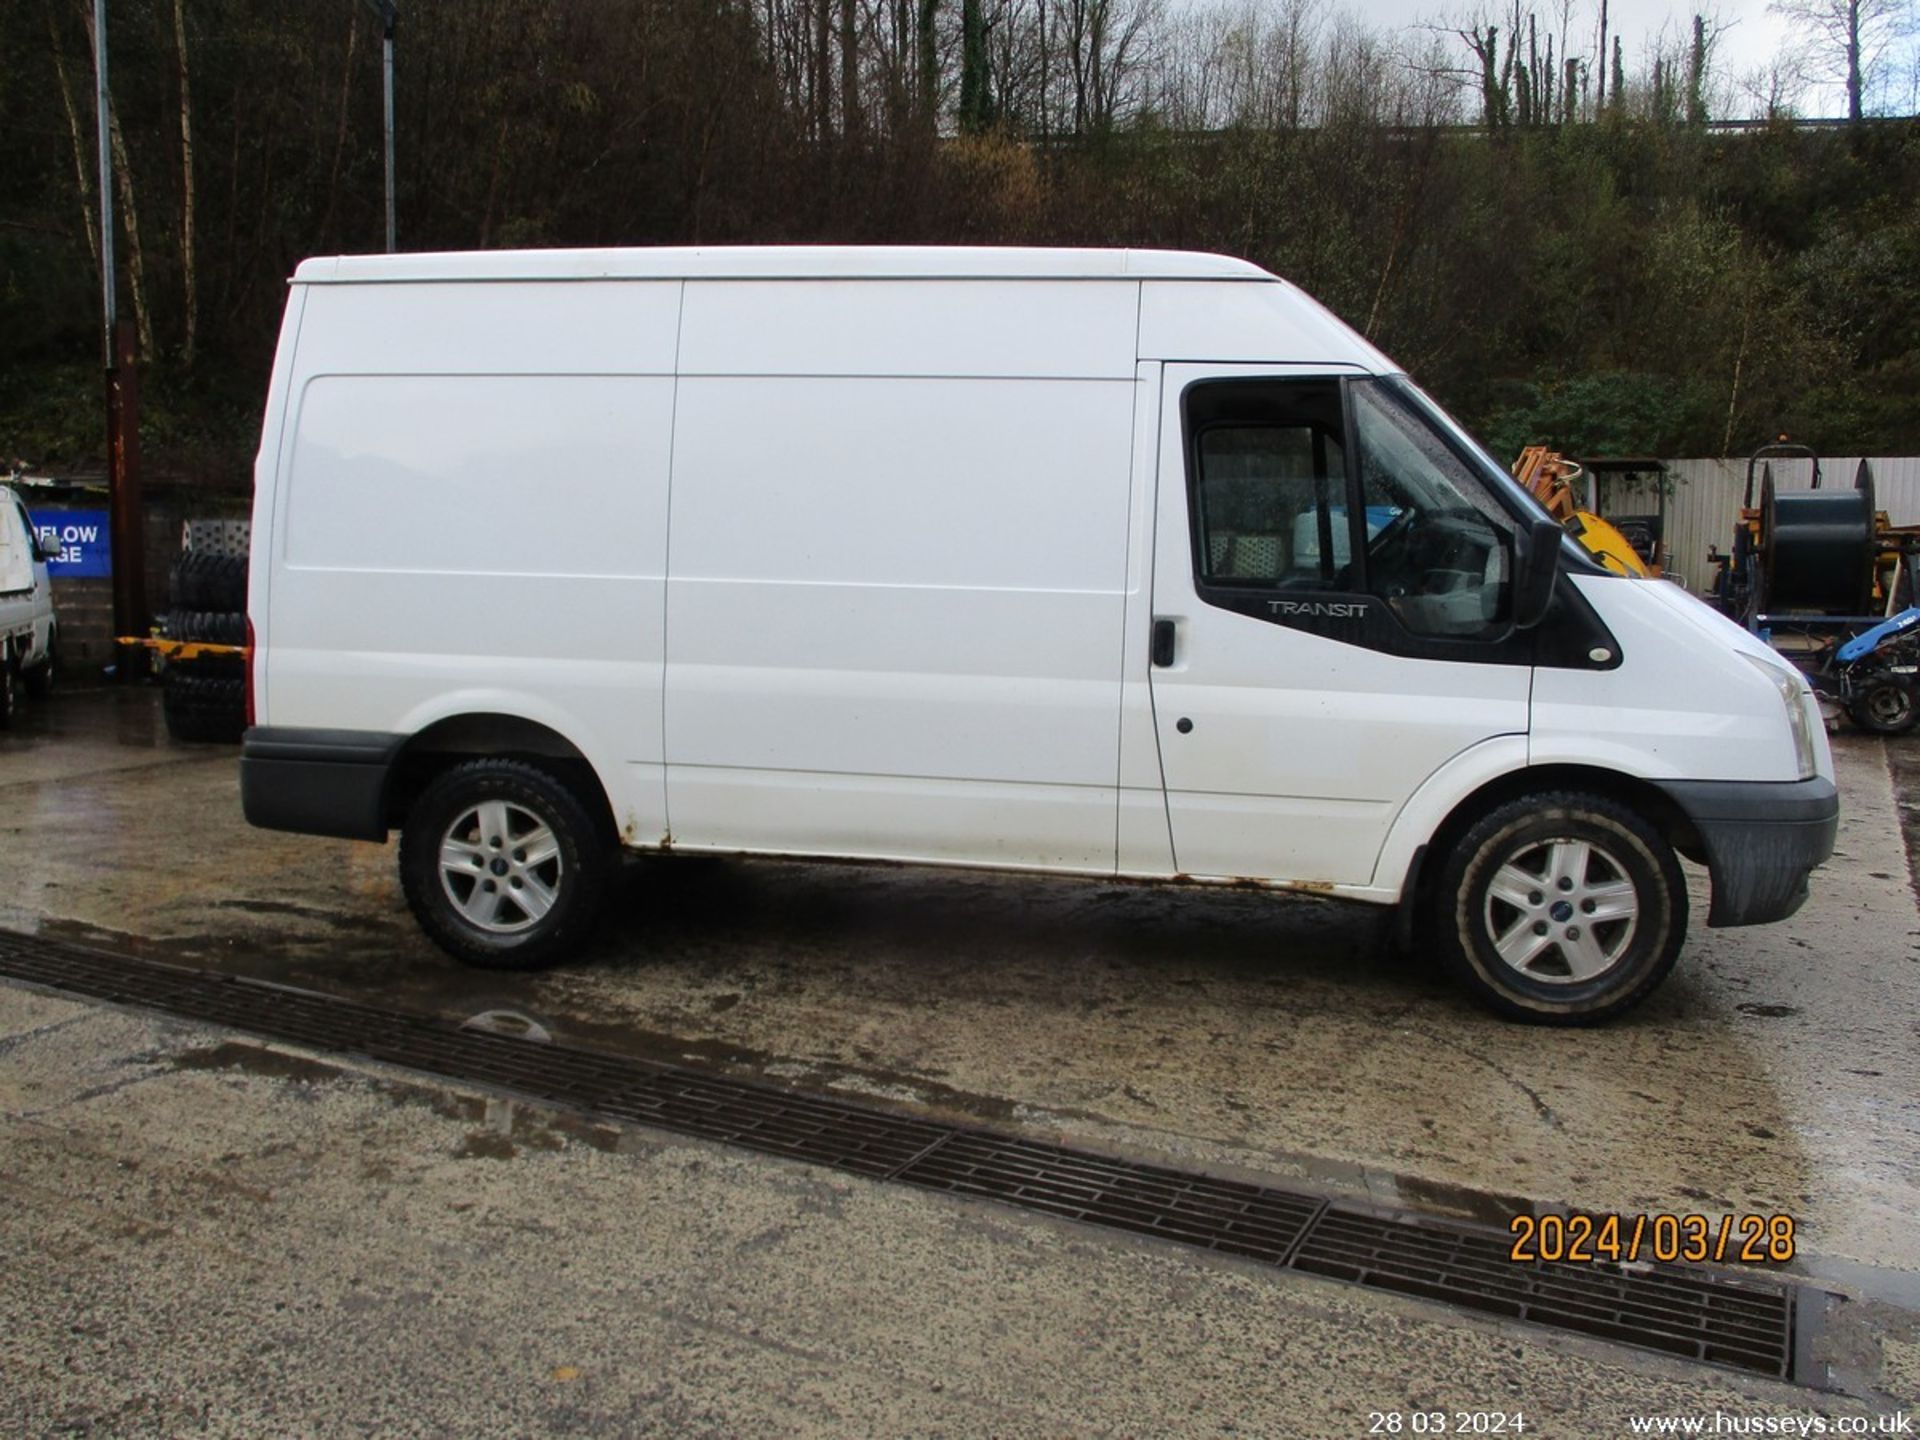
{"points": [[1536, 567]]}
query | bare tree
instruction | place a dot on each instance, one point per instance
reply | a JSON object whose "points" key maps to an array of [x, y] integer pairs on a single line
{"points": [[1697, 55], [1852, 40], [83, 184], [1107, 44], [1495, 81], [1773, 90], [189, 278]]}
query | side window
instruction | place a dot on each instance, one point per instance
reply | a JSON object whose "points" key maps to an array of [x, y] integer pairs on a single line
{"points": [[1269, 486], [1443, 559], [1351, 492]]}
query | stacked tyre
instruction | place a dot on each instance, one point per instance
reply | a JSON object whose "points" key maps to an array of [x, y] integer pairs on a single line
{"points": [[205, 698]]}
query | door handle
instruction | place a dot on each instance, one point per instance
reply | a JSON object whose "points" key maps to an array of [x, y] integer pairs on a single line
{"points": [[1163, 636]]}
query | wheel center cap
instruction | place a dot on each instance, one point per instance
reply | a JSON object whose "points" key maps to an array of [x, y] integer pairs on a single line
{"points": [[1562, 909], [499, 866]]}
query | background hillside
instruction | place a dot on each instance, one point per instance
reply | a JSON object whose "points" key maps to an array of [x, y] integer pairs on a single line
{"points": [[1562, 251]]}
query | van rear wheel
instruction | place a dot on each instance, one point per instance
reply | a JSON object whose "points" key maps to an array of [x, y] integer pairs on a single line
{"points": [[503, 865], [1561, 909]]}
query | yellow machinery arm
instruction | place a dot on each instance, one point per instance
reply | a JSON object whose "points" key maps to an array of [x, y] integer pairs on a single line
{"points": [[1548, 477]]}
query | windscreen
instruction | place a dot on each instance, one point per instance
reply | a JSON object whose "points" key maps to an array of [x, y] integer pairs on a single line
{"points": [[1512, 496]]}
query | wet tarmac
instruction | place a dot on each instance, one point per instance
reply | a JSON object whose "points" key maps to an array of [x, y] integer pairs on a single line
{"points": [[1776, 1072]]}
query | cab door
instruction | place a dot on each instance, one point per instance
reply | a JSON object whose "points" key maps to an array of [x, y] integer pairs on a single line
{"points": [[1331, 592]]}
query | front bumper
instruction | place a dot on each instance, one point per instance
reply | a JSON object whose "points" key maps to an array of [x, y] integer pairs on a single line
{"points": [[317, 782], [1762, 838]]}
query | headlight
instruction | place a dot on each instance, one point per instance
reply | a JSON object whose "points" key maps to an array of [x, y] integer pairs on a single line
{"points": [[1793, 691]]}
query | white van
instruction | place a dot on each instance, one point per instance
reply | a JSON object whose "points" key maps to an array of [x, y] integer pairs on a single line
{"points": [[1114, 563], [27, 623]]}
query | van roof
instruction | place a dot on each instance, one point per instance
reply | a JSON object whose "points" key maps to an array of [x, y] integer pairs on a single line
{"points": [[782, 262]]}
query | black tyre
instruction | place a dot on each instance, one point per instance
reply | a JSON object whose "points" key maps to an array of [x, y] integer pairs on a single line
{"points": [[203, 581], [504, 866], [1561, 909], [1885, 707], [7, 698], [203, 708], [38, 682], [213, 627]]}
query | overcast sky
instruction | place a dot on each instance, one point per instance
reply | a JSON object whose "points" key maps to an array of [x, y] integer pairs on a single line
{"points": [[1750, 37]]}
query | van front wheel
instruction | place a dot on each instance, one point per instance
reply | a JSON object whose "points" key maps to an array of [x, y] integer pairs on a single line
{"points": [[1561, 909], [503, 866]]}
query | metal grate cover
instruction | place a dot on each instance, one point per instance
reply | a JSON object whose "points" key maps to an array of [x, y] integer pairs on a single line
{"points": [[1746, 1323], [1683, 1312]]}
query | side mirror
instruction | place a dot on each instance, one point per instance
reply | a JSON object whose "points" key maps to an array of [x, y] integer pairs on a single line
{"points": [[1536, 567]]}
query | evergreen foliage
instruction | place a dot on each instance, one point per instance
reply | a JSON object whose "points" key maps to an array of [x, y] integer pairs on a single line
{"points": [[1617, 278]]}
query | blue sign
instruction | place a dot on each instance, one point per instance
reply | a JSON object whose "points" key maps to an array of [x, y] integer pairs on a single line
{"points": [[76, 541]]}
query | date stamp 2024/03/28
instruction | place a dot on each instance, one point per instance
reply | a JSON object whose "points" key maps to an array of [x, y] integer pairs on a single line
{"points": [[1604, 1239]]}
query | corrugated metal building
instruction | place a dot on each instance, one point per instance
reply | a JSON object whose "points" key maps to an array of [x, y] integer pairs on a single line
{"points": [[1705, 501]]}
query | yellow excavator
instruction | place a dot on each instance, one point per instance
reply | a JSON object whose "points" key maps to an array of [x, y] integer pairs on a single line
{"points": [[1548, 477]]}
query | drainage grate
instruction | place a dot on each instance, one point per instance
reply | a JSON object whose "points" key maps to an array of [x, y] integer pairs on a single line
{"points": [[1746, 1323], [1224, 1215], [1683, 1312]]}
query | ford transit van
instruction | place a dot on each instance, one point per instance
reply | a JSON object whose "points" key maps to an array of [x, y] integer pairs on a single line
{"points": [[1113, 563]]}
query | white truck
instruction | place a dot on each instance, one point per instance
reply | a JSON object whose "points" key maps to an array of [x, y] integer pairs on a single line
{"points": [[27, 623], [1114, 563]]}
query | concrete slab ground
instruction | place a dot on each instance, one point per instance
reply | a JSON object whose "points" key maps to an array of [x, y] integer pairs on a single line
{"points": [[1775, 1073], [199, 1236]]}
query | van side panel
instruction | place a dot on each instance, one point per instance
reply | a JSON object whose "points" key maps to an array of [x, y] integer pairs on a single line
{"points": [[1062, 329], [269, 466], [895, 602], [1145, 836], [1258, 321], [471, 517]]}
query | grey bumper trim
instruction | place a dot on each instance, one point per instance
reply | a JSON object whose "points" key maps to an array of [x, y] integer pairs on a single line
{"points": [[1762, 838], [317, 782]]}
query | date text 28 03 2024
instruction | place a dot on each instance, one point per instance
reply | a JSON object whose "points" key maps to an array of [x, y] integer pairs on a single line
{"points": [[1446, 1422]]}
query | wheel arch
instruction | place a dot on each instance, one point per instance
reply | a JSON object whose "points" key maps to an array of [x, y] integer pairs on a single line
{"points": [[1643, 797], [455, 738]]}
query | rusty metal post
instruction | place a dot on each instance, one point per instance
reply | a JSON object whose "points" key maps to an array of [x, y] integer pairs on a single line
{"points": [[127, 525], [386, 66], [102, 99], [389, 13]]}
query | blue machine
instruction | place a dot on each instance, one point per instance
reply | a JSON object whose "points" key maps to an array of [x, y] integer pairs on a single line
{"points": [[1868, 641], [1874, 674]]}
